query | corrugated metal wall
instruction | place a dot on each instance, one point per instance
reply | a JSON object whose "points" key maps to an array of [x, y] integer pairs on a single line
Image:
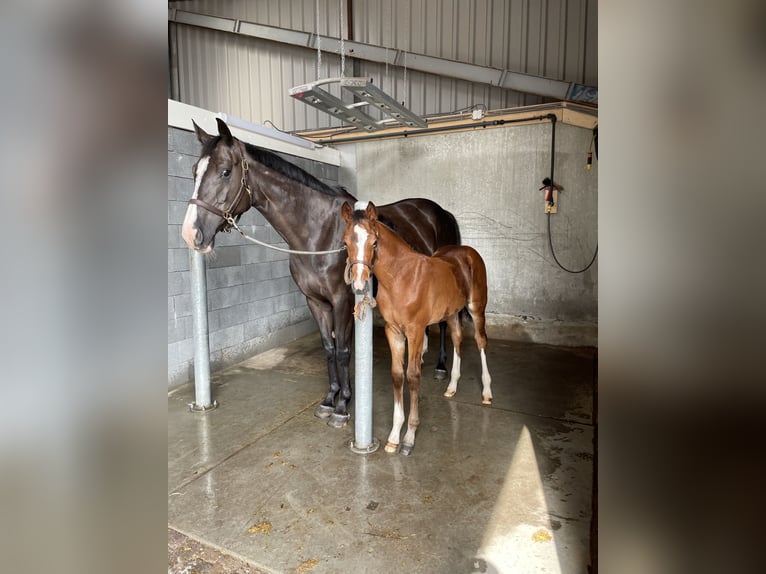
{"points": [[249, 78]]}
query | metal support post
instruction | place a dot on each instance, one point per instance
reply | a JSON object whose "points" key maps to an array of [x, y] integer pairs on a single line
{"points": [[363, 442], [202, 400]]}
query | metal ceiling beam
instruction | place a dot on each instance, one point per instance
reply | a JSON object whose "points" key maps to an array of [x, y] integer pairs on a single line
{"points": [[507, 79]]}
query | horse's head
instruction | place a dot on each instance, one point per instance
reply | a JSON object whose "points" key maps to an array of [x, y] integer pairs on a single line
{"points": [[221, 189], [361, 238]]}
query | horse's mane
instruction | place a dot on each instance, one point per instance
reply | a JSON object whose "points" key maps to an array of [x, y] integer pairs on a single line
{"points": [[292, 171], [280, 165]]}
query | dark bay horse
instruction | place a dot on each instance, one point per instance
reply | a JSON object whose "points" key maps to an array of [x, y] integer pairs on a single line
{"points": [[415, 290], [232, 176]]}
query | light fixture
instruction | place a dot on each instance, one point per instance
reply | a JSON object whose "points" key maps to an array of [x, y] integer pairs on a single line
{"points": [[363, 88]]}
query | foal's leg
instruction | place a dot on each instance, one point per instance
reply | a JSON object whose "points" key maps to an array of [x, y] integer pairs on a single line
{"points": [[480, 334], [396, 344], [415, 344], [456, 333]]}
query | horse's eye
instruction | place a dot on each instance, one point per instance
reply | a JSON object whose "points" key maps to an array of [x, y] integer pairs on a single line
{"points": [[226, 173]]}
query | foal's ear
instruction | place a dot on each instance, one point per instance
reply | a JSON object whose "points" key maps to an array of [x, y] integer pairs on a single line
{"points": [[347, 212], [202, 135], [223, 131], [371, 212]]}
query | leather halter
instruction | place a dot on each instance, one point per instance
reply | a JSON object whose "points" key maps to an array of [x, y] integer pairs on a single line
{"points": [[229, 213]]}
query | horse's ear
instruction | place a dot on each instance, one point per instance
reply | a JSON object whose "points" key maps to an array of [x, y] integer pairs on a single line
{"points": [[347, 212], [371, 212], [202, 135], [223, 131]]}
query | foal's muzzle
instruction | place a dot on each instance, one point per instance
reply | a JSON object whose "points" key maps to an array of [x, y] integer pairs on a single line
{"points": [[349, 277]]}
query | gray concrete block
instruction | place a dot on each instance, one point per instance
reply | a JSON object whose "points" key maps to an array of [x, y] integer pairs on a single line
{"points": [[171, 309], [181, 351], [280, 268], [180, 188], [224, 257], [180, 164], [178, 259], [179, 329], [224, 297], [178, 283], [225, 277], [227, 337], [260, 309], [182, 306], [255, 272], [186, 142], [176, 212], [228, 317], [175, 241]]}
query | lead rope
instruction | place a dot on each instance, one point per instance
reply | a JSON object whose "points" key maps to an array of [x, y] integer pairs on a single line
{"points": [[233, 224], [360, 309]]}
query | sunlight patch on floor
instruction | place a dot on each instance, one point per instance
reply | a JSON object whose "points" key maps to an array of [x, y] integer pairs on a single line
{"points": [[512, 542]]}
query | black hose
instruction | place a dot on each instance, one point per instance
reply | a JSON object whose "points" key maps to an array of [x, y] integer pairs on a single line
{"points": [[550, 236]]}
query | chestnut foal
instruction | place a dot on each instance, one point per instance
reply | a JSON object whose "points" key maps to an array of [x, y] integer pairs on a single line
{"points": [[415, 291]]}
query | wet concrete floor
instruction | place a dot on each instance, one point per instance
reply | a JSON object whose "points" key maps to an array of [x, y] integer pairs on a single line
{"points": [[506, 488]]}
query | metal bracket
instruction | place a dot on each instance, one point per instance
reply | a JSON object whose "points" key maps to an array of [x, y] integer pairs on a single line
{"points": [[195, 408]]}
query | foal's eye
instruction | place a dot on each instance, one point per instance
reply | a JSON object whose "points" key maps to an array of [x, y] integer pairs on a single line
{"points": [[226, 173]]}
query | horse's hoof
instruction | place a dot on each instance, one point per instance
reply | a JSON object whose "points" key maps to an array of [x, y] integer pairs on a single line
{"points": [[440, 374], [323, 412], [406, 449], [449, 394], [391, 447], [486, 401], [338, 421]]}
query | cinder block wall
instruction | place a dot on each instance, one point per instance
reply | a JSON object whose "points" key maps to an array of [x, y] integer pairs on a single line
{"points": [[489, 179], [253, 303]]}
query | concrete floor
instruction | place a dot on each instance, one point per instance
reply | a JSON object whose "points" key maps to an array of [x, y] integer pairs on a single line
{"points": [[506, 488]]}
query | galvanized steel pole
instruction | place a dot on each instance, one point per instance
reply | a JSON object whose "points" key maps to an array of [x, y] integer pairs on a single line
{"points": [[363, 442], [202, 400]]}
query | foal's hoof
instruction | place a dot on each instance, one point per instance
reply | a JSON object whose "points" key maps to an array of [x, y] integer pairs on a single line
{"points": [[338, 421], [486, 400], [323, 412], [440, 374], [391, 447], [449, 394], [406, 449]]}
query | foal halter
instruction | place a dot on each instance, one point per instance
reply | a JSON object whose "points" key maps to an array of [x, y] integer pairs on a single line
{"points": [[228, 214]]}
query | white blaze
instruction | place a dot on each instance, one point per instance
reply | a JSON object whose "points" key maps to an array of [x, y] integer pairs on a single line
{"points": [[361, 240], [188, 230]]}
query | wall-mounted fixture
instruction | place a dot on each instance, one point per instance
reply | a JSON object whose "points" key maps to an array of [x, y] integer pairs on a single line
{"points": [[313, 95]]}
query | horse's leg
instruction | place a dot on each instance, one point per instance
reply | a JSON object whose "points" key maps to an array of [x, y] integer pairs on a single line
{"points": [[456, 333], [425, 347], [344, 330], [415, 344], [480, 334], [322, 312], [396, 344], [441, 362]]}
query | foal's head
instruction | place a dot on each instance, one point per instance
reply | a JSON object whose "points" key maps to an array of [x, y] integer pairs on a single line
{"points": [[220, 188], [361, 238]]}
